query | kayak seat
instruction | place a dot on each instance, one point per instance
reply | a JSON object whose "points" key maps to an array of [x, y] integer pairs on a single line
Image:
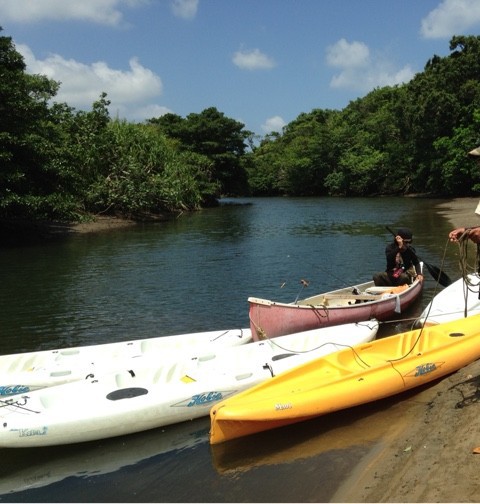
{"points": [[23, 365], [124, 379], [167, 373], [346, 361]]}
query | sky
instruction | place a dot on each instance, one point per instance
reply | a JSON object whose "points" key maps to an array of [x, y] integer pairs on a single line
{"points": [[260, 62]]}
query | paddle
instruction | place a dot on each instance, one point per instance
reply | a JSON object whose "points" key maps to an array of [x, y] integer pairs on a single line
{"points": [[437, 274]]}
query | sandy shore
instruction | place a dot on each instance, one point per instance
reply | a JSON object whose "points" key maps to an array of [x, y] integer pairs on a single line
{"points": [[101, 224], [429, 455], [460, 212]]}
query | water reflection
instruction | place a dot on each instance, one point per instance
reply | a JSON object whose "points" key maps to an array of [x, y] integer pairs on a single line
{"points": [[28, 469]]}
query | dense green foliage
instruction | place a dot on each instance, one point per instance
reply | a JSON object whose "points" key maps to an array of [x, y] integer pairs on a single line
{"points": [[220, 139], [395, 140], [58, 163]]}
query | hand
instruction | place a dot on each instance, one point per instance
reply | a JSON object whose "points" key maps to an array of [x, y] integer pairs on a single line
{"points": [[472, 233], [454, 235]]}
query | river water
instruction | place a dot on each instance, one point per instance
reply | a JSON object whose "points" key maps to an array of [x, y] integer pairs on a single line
{"points": [[195, 274]]}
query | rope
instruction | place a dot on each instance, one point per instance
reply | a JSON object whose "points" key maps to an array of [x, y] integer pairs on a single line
{"points": [[273, 342], [465, 267]]}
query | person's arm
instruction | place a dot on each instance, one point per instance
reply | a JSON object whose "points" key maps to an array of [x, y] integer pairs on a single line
{"points": [[415, 261], [472, 233], [391, 254]]}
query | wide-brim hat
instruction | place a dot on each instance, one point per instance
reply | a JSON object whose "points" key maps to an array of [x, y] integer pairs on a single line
{"points": [[475, 152]]}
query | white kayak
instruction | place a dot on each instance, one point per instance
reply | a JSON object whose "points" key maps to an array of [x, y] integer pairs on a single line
{"points": [[144, 397], [460, 299], [24, 372]]}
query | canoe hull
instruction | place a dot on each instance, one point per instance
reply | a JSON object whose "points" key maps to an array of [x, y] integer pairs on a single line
{"points": [[144, 397], [271, 319], [348, 378]]}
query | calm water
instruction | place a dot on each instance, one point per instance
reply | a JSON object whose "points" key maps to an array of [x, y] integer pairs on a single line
{"points": [[195, 274]]}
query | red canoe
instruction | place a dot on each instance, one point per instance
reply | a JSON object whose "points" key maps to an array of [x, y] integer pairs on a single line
{"points": [[269, 319]]}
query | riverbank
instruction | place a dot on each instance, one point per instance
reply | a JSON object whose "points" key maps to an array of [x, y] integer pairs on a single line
{"points": [[459, 211], [430, 454], [101, 224]]}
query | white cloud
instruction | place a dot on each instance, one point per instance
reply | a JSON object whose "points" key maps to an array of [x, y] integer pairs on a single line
{"points": [[343, 54], [97, 11], [362, 71], [252, 60], [130, 91], [275, 123], [186, 9], [146, 112], [451, 17]]}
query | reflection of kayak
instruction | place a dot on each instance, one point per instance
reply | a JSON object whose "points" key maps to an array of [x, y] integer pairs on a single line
{"points": [[350, 377], [352, 430], [144, 396], [342, 306], [24, 372], [460, 299], [38, 467]]}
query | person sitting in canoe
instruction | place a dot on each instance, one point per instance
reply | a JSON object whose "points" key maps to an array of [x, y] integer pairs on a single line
{"points": [[473, 233], [403, 265]]}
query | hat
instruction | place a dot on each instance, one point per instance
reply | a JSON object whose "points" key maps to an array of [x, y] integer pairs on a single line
{"points": [[475, 152], [405, 233]]}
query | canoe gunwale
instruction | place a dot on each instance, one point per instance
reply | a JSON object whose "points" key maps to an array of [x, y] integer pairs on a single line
{"points": [[270, 318]]}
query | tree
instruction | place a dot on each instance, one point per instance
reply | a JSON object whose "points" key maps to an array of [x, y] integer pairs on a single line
{"points": [[219, 138], [31, 186]]}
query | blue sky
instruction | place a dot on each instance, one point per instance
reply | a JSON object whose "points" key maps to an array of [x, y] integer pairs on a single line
{"points": [[260, 62]]}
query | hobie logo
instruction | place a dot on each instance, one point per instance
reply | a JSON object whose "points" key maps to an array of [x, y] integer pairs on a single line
{"points": [[201, 399], [7, 390], [425, 369]]}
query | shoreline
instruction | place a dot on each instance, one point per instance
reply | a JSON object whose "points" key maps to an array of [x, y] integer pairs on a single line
{"points": [[429, 455], [101, 224], [459, 211]]}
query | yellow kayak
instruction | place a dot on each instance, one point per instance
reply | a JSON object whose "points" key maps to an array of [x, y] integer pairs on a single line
{"points": [[350, 377]]}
